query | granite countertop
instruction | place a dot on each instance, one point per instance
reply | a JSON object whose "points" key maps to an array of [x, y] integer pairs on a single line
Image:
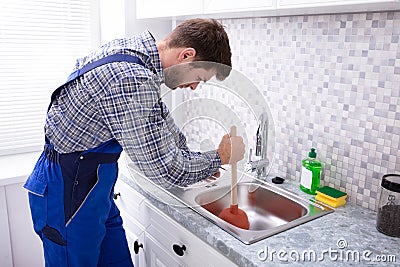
{"points": [[346, 237]]}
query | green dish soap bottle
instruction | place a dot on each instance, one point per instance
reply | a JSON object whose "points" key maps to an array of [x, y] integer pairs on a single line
{"points": [[310, 173]]}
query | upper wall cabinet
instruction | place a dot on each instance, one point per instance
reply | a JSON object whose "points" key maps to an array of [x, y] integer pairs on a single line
{"points": [[167, 8], [220, 6], [255, 8], [310, 3], [334, 6]]}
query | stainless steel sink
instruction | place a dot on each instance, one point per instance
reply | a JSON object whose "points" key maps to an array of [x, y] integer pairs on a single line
{"points": [[264, 208], [270, 208]]}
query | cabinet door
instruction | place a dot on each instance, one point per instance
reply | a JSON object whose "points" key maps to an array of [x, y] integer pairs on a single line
{"points": [[219, 6], [156, 255], [135, 244], [170, 8], [135, 236], [130, 201], [316, 3], [295, 7], [25, 244], [181, 245]]}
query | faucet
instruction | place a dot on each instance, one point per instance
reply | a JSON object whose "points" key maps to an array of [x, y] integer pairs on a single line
{"points": [[260, 165]]}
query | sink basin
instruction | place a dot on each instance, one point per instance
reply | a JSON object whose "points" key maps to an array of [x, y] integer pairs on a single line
{"points": [[264, 208], [270, 209]]}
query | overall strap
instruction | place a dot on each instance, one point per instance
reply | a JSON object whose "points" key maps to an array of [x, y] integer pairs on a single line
{"points": [[88, 67]]}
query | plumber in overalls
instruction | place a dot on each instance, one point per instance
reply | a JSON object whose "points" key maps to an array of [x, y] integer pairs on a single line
{"points": [[107, 105]]}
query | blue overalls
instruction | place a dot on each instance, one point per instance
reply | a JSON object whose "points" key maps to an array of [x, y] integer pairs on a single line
{"points": [[71, 200]]}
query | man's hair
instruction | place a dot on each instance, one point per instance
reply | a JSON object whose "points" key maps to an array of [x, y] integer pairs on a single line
{"points": [[208, 38]]}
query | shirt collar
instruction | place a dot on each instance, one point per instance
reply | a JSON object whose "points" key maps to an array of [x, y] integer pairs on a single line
{"points": [[149, 44]]}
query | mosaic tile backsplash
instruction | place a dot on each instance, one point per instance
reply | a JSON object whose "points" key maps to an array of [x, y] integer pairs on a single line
{"points": [[331, 82]]}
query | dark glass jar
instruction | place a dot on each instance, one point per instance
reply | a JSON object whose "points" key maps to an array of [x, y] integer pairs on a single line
{"points": [[388, 219]]}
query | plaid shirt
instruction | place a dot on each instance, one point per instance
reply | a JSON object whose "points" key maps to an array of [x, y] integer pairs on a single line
{"points": [[121, 101]]}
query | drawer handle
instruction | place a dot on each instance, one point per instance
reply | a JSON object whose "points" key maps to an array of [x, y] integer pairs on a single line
{"points": [[116, 195], [137, 246], [179, 250]]}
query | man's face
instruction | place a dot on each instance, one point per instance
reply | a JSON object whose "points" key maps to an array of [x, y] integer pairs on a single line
{"points": [[186, 76]]}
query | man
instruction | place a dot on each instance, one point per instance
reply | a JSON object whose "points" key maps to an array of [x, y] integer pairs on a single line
{"points": [[110, 103]]}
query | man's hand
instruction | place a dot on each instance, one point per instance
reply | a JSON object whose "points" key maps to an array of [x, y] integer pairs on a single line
{"points": [[231, 149]]}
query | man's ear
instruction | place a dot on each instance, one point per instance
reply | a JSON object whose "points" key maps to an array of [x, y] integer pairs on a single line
{"points": [[187, 54]]}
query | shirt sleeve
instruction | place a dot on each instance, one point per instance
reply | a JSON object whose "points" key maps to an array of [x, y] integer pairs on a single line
{"points": [[142, 124]]}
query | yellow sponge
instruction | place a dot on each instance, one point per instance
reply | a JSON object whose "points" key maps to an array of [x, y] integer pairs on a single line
{"points": [[331, 196]]}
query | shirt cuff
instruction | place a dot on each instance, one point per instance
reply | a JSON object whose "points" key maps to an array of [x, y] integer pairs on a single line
{"points": [[214, 159]]}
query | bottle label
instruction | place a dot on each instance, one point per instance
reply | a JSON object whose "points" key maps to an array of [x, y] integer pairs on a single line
{"points": [[306, 178]]}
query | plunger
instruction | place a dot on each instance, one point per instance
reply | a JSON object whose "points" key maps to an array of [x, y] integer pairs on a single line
{"points": [[233, 214]]}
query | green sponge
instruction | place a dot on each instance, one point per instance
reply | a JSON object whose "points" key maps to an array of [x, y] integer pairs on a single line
{"points": [[331, 196]]}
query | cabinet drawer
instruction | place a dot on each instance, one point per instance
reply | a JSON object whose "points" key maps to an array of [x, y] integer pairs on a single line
{"points": [[195, 252], [129, 201]]}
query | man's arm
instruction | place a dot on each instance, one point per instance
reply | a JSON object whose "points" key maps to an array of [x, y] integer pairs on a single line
{"points": [[135, 117]]}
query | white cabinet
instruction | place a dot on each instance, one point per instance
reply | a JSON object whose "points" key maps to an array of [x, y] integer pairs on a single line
{"points": [[19, 244], [164, 241], [156, 255], [336, 6], [170, 8], [130, 203], [179, 244], [303, 3], [135, 237], [217, 6], [255, 8]]}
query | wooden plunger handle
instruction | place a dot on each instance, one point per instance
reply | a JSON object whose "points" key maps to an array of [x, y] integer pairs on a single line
{"points": [[234, 200]]}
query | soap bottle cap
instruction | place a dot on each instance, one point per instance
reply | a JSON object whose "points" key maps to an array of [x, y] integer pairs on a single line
{"points": [[312, 153]]}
